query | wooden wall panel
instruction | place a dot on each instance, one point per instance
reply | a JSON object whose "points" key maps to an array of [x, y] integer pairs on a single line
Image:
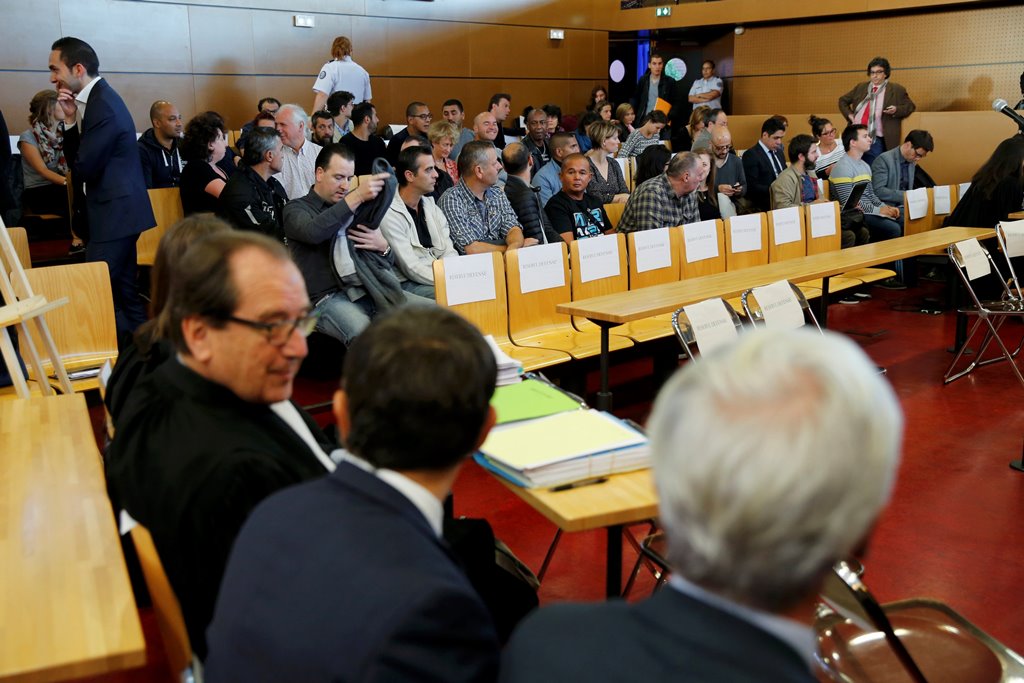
{"points": [[285, 49], [222, 40], [38, 25], [411, 51]]}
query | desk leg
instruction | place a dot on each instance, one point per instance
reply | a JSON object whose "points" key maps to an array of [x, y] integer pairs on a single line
{"points": [[604, 396], [823, 304], [613, 572]]}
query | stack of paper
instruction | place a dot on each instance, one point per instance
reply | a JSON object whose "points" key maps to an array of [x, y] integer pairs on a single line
{"points": [[563, 448], [510, 370], [530, 399]]}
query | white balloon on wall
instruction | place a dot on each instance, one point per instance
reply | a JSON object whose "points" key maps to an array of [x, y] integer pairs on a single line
{"points": [[617, 71]]}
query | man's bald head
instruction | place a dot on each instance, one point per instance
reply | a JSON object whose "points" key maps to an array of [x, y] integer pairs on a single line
{"points": [[721, 142], [485, 126]]}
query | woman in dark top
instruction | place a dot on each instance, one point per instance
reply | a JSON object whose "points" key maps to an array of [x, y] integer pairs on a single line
{"points": [[996, 190], [651, 162], [202, 180], [707, 198]]}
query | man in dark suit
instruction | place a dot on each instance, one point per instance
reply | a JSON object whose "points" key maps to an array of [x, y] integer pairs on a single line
{"points": [[761, 163], [100, 146], [751, 537], [348, 578]]}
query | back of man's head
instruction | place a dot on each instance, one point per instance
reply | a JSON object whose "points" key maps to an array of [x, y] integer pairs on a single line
{"points": [[772, 460], [258, 142], [337, 100], [683, 162], [418, 385], [362, 113], [560, 142], [77, 51], [515, 158], [202, 284], [473, 154], [801, 144]]}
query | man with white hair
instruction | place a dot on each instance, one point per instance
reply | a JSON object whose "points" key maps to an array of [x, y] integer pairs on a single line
{"points": [[298, 171], [772, 458]]}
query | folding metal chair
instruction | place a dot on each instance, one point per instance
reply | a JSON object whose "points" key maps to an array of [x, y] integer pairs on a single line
{"points": [[990, 313], [758, 316], [1011, 242], [691, 338]]}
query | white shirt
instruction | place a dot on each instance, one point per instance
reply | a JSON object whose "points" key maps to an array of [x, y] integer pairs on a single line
{"points": [[703, 85], [287, 411], [82, 98], [298, 169], [798, 636], [344, 74], [772, 159], [425, 501]]}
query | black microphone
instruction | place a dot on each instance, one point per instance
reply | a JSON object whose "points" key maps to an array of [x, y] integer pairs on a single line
{"points": [[1002, 107]]}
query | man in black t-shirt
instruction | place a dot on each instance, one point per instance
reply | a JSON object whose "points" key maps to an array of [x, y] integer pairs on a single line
{"points": [[363, 141], [573, 213]]}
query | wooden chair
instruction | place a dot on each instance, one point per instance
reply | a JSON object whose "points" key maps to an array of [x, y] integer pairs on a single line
{"points": [[691, 265], [491, 317], [637, 330], [169, 618], [757, 226], [798, 248], [84, 331], [614, 212], [19, 237], [833, 241], [167, 210], [532, 319], [925, 222], [638, 279], [951, 191]]}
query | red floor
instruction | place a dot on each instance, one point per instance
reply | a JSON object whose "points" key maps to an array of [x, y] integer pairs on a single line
{"points": [[954, 530]]}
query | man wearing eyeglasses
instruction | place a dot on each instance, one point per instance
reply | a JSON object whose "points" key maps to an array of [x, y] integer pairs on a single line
{"points": [[892, 172], [418, 118], [729, 175], [212, 431], [880, 105]]}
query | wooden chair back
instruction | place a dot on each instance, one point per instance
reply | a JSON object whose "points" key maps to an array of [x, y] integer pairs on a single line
{"points": [[922, 224], [534, 312], [165, 603], [491, 316], [787, 250], [84, 331], [954, 199], [19, 237], [707, 266], [612, 284], [735, 260], [659, 276], [823, 242], [166, 202], [614, 212]]}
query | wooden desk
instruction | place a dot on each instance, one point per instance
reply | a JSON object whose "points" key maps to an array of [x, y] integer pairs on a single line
{"points": [[67, 608], [1016, 216], [623, 499], [615, 309]]}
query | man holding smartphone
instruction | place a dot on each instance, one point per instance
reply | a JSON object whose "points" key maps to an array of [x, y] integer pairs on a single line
{"points": [[731, 180]]}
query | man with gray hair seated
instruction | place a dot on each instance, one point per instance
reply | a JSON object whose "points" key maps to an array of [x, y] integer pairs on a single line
{"points": [[772, 458], [298, 171], [252, 199], [666, 200]]}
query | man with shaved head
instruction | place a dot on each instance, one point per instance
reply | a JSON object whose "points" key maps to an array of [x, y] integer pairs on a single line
{"points": [[158, 147]]}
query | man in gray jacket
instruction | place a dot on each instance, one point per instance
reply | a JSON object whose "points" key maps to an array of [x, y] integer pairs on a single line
{"points": [[892, 172]]}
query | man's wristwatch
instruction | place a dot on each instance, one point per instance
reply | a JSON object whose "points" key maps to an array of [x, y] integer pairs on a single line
{"points": [[386, 251]]}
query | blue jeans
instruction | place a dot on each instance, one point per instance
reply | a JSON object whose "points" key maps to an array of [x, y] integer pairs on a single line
{"points": [[344, 319], [881, 229]]}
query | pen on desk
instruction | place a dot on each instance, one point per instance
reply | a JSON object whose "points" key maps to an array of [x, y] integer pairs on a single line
{"points": [[577, 484]]}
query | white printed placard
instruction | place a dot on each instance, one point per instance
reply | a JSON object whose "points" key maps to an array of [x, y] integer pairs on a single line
{"points": [[746, 233], [974, 259], [652, 249], [823, 219], [541, 267], [1013, 235], [963, 189], [779, 306], [599, 257], [701, 241], [711, 323], [917, 203], [787, 225], [942, 200], [469, 278]]}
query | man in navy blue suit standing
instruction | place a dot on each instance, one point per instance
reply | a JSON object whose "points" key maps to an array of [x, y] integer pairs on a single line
{"points": [[100, 146]]}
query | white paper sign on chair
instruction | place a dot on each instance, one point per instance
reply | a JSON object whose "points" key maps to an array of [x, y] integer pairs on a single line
{"points": [[746, 233], [541, 267], [701, 241], [917, 203], [652, 249], [469, 279], [787, 225], [779, 306], [823, 219], [599, 257], [1013, 234], [974, 259], [711, 324], [940, 193]]}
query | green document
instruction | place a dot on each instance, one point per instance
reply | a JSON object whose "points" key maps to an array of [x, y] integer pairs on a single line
{"points": [[529, 399]]}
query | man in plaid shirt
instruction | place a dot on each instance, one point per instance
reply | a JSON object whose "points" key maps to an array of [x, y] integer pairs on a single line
{"points": [[479, 215], [668, 199]]}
